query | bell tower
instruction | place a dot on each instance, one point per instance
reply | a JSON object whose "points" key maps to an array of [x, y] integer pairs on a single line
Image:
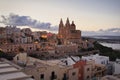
{"points": [[61, 28], [67, 23]]}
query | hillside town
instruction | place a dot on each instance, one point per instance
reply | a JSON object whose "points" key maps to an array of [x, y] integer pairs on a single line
{"points": [[42, 55]]}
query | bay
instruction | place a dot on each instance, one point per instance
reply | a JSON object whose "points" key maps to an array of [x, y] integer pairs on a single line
{"points": [[114, 46]]}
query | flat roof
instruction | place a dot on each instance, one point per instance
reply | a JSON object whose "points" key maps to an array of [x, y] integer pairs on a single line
{"points": [[12, 75], [9, 71], [5, 64]]}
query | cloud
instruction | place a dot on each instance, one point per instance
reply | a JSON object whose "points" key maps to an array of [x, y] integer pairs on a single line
{"points": [[101, 32], [113, 30], [17, 20]]}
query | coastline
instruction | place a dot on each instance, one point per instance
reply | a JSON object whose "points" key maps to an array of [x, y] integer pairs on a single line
{"points": [[114, 46]]}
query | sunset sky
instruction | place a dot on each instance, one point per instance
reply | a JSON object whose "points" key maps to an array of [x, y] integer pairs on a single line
{"points": [[88, 15]]}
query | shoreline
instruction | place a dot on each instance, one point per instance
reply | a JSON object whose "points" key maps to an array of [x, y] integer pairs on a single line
{"points": [[107, 39], [114, 46]]}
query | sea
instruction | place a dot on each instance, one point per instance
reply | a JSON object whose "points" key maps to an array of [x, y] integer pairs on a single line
{"points": [[114, 46], [109, 41]]}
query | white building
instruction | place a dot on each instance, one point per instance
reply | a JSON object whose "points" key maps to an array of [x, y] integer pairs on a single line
{"points": [[97, 58], [12, 29], [117, 66]]}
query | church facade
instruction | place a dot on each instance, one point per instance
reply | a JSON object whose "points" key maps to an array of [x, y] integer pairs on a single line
{"points": [[68, 32]]}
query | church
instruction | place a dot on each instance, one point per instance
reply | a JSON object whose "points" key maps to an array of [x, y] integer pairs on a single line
{"points": [[68, 32]]}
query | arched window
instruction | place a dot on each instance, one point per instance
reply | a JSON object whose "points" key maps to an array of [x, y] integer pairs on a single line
{"points": [[42, 77], [32, 77], [53, 76]]}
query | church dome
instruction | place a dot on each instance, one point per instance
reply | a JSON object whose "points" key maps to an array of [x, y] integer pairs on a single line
{"points": [[72, 23]]}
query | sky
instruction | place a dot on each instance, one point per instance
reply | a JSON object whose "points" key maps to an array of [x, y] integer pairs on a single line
{"points": [[88, 15]]}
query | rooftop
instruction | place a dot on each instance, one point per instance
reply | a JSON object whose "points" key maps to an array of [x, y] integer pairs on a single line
{"points": [[110, 77], [66, 62], [10, 71], [97, 56]]}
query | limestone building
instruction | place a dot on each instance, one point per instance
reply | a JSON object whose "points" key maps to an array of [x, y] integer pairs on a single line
{"points": [[68, 32]]}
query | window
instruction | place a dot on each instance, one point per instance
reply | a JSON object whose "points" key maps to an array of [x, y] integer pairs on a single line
{"points": [[88, 69], [102, 62], [88, 77], [30, 48], [53, 76], [17, 58], [73, 73], [42, 77], [107, 62], [32, 77], [64, 77], [53, 73]]}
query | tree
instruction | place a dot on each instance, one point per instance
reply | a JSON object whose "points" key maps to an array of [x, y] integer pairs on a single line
{"points": [[107, 51]]}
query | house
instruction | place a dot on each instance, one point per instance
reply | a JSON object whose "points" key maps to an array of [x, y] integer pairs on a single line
{"points": [[97, 58], [47, 69], [117, 66]]}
